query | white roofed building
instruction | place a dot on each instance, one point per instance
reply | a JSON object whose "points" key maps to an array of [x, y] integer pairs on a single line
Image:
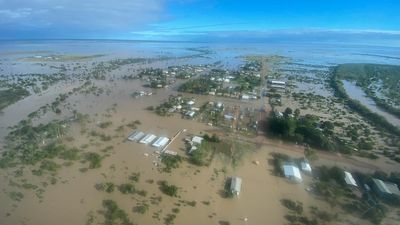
{"points": [[305, 166], [236, 185], [348, 178], [292, 173], [136, 136], [148, 139], [160, 142], [197, 140]]}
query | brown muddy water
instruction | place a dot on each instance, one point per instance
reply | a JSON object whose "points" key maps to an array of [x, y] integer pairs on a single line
{"points": [[74, 197]]}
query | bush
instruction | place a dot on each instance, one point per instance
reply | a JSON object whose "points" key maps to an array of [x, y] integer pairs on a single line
{"points": [[297, 207], [127, 188], [94, 160], [142, 208], [114, 215], [170, 161], [170, 190]]}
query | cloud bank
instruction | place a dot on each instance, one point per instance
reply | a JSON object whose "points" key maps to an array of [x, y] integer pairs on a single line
{"points": [[87, 17]]}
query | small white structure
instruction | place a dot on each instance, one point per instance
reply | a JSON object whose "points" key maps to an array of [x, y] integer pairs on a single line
{"points": [[229, 117], [169, 152], [245, 97], [277, 82], [292, 173], [197, 140], [148, 139], [305, 166], [190, 113], [348, 178], [192, 149], [190, 102], [236, 185], [136, 136], [160, 142]]}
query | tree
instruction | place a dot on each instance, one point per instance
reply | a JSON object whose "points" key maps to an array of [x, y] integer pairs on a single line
{"points": [[297, 113], [288, 111]]}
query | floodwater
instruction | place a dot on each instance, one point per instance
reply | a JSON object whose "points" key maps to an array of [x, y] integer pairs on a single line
{"points": [[74, 197], [357, 93]]}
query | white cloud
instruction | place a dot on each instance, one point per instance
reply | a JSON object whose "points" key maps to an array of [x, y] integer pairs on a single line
{"points": [[15, 14], [82, 14]]}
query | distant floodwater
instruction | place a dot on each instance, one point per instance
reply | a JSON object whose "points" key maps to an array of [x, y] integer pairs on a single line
{"points": [[313, 53], [357, 93]]}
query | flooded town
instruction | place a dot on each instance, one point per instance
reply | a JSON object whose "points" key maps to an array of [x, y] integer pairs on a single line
{"points": [[203, 135]]}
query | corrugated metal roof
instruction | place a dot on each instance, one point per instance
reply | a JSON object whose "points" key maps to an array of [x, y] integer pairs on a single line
{"points": [[236, 184], [381, 186], [136, 136], [148, 138], [160, 142], [291, 172], [348, 178]]}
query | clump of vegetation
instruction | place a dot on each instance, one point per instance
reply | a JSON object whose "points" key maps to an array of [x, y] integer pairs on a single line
{"points": [[170, 190], [24, 144], [12, 95], [199, 86], [94, 160], [114, 215], [170, 162], [127, 188], [169, 219], [142, 208], [231, 151], [134, 177], [306, 129], [108, 187], [296, 207], [16, 196], [104, 125]]}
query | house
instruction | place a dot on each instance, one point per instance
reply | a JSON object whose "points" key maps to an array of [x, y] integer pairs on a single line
{"points": [[277, 82], [292, 173], [190, 102], [136, 136], [190, 113], [229, 117], [245, 97], [385, 189], [305, 166], [148, 139], [236, 184], [160, 142], [348, 178], [197, 140]]}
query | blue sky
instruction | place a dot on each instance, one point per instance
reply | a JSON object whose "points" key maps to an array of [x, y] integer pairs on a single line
{"points": [[200, 19]]}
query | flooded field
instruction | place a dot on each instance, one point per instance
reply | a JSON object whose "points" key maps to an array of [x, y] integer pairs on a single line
{"points": [[101, 100], [357, 93]]}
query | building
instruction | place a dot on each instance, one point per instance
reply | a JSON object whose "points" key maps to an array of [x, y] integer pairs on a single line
{"points": [[385, 189], [348, 178], [136, 136], [236, 185], [197, 140], [148, 138], [305, 166], [190, 113], [160, 142], [245, 97], [229, 117], [292, 173], [277, 82]]}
